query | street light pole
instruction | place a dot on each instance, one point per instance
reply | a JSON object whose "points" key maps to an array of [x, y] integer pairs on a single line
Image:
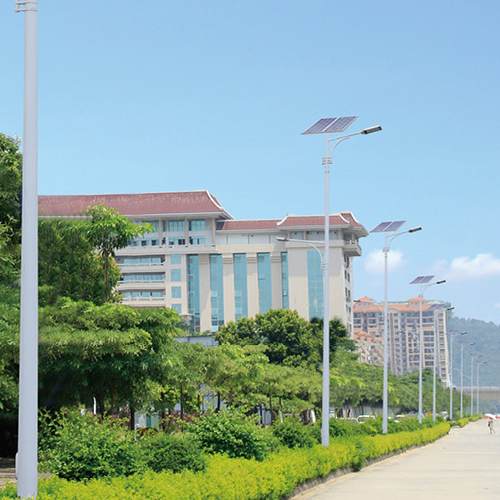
{"points": [[386, 228], [423, 281], [451, 370], [477, 382], [472, 356], [26, 459], [326, 126]]}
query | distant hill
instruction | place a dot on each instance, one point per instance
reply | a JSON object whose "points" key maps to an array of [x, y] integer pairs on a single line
{"points": [[486, 336]]}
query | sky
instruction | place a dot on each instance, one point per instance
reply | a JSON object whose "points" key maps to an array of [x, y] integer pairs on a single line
{"points": [[161, 96]]}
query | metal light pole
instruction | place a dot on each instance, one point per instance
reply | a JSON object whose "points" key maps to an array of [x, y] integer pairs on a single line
{"points": [[386, 228], [434, 368], [472, 356], [423, 281], [326, 126], [451, 333], [26, 459], [477, 382], [462, 376]]}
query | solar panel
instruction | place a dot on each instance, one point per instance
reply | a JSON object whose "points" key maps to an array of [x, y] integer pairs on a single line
{"points": [[421, 280], [434, 307], [325, 125], [386, 227]]}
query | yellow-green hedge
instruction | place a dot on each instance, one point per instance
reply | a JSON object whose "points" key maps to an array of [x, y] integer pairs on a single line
{"points": [[237, 479]]}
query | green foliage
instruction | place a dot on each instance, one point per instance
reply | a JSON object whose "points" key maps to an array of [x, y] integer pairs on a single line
{"points": [[293, 434], [173, 452], [234, 435], [108, 231], [272, 479], [80, 447], [68, 265]]}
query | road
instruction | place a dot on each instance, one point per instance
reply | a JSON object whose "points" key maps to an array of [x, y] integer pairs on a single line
{"points": [[465, 464]]}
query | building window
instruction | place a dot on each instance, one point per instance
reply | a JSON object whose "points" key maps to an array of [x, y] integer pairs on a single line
{"points": [[175, 275], [176, 292], [176, 241], [196, 225], [193, 282], [155, 224], [176, 225], [314, 284], [216, 292], [284, 280], [177, 308], [196, 240], [175, 259], [240, 285], [264, 273]]}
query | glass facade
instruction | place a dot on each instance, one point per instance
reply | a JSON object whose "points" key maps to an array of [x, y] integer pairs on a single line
{"points": [[175, 275], [176, 292], [175, 259], [240, 285], [193, 271], [216, 292], [284, 280], [196, 225], [143, 277], [314, 284], [265, 290], [176, 225]]}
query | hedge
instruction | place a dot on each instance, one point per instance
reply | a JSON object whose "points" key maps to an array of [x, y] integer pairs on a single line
{"points": [[237, 478]]}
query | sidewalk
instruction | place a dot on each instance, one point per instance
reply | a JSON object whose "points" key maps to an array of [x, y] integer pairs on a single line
{"points": [[7, 471], [465, 464]]}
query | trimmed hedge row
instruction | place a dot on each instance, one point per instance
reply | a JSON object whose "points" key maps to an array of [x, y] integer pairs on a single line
{"points": [[236, 478]]}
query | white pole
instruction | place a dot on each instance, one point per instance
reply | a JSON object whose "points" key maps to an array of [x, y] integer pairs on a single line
{"points": [[451, 376], [420, 363], [462, 381], [435, 368], [477, 383], [471, 385], [325, 417], [384, 389], [26, 460]]}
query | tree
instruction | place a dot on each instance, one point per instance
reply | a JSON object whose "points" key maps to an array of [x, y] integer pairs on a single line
{"points": [[108, 231], [68, 265], [288, 338], [111, 352], [10, 183], [10, 208]]}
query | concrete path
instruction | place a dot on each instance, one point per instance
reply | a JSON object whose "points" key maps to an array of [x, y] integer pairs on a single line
{"points": [[465, 464]]}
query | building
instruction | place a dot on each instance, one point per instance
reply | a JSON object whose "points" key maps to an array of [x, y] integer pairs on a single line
{"points": [[403, 334], [213, 269]]}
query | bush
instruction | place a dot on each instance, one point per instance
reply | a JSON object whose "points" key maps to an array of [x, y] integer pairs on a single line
{"points": [[234, 435], [82, 447], [173, 452], [293, 434]]}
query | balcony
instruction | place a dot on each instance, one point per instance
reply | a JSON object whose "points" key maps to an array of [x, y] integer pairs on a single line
{"points": [[141, 285], [352, 248], [144, 301]]}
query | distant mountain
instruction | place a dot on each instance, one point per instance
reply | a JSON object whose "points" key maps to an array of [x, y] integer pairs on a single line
{"points": [[486, 338]]}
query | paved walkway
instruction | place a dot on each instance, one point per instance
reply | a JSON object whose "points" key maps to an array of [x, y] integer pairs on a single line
{"points": [[465, 464]]}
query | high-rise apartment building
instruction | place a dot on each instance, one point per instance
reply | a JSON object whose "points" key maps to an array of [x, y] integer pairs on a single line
{"points": [[213, 269], [403, 334]]}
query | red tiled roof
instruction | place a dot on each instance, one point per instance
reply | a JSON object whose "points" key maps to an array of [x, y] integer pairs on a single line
{"points": [[243, 225], [343, 219], [185, 202]]}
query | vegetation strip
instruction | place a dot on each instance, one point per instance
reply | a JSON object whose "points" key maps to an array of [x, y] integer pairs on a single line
{"points": [[240, 479]]}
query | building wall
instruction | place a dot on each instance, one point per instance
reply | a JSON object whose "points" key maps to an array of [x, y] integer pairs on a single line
{"points": [[167, 252]]}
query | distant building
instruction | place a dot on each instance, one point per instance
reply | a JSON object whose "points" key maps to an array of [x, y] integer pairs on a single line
{"points": [[213, 269], [403, 334]]}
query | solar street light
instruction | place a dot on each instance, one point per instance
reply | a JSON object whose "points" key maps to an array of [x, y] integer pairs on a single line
{"points": [[423, 281], [388, 227], [327, 126]]}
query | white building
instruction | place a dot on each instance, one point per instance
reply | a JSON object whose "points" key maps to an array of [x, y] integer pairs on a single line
{"points": [[213, 269]]}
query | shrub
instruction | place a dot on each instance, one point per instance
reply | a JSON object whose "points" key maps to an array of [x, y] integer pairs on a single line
{"points": [[293, 434], [234, 435], [82, 447], [173, 452]]}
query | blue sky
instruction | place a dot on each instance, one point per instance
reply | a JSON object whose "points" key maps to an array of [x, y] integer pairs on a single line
{"points": [[172, 96]]}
